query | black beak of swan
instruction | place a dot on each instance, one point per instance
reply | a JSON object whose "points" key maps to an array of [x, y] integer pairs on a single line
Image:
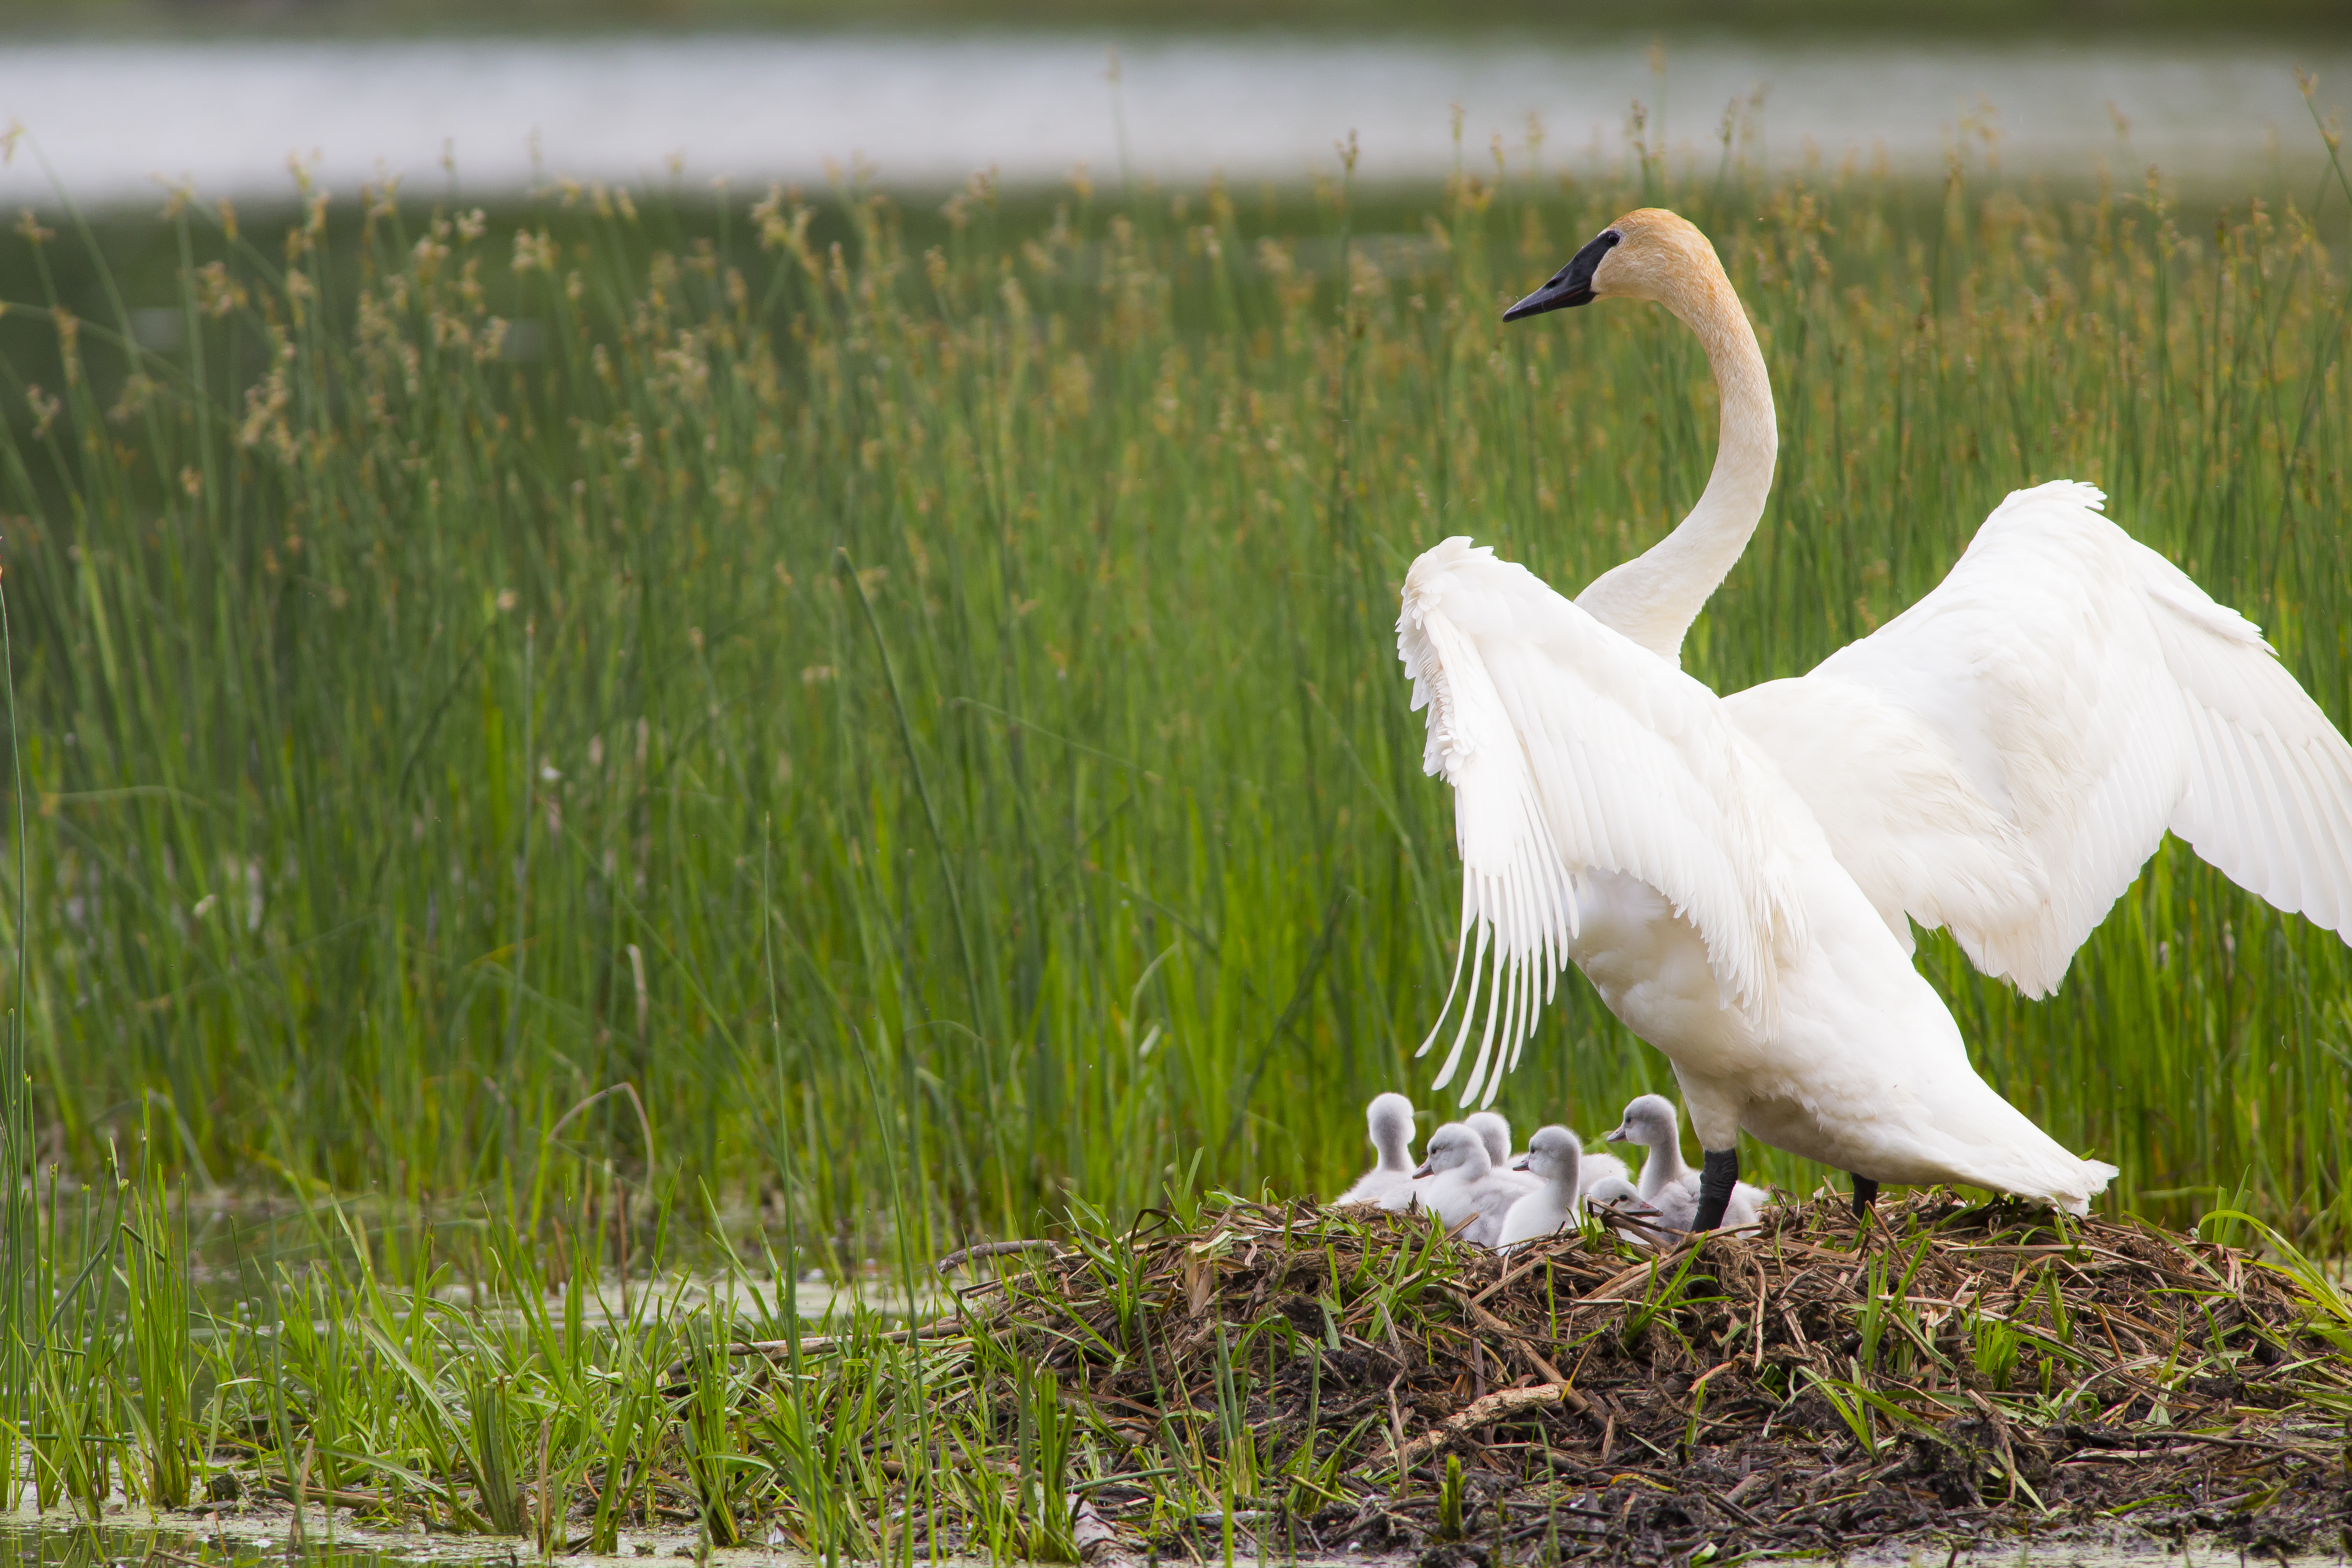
{"points": [[1572, 285], [1520, 1164], [1424, 1170]]}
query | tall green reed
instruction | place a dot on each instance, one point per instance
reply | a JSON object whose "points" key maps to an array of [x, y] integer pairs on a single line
{"points": [[915, 726], [20, 1230]]}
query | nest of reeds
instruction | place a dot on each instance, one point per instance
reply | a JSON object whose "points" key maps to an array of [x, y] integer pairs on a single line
{"points": [[1313, 1381]]}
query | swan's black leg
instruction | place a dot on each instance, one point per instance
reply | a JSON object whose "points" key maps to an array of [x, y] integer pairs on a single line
{"points": [[1866, 1192], [1716, 1177]]}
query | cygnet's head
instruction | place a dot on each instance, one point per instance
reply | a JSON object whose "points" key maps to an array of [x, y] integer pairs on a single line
{"points": [[1390, 1119], [1455, 1147], [1496, 1130], [1614, 1190], [1648, 254], [1650, 1120], [1554, 1154]]}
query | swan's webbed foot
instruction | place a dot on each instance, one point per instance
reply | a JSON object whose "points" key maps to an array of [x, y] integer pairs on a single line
{"points": [[1716, 1176], [1865, 1194]]}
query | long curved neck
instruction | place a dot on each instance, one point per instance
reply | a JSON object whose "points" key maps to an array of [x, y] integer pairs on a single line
{"points": [[1667, 1152], [1565, 1182], [1654, 598]]}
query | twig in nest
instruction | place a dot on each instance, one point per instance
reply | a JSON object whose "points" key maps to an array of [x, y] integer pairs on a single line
{"points": [[1496, 1406], [961, 1255]]}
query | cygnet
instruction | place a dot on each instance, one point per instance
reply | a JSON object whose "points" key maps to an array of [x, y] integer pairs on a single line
{"points": [[1494, 1130], [1613, 1199], [1599, 1167], [1651, 1120], [1389, 1183], [1464, 1186], [1554, 1154]]}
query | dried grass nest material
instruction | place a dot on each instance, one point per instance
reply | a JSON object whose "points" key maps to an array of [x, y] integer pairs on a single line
{"points": [[1948, 1370]]}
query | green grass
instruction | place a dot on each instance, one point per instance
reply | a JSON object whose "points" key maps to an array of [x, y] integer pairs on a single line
{"points": [[900, 713], [1221, 1364]]}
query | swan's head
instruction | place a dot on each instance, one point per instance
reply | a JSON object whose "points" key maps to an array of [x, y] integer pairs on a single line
{"points": [[1495, 1129], [1390, 1118], [1553, 1153], [1648, 254], [1649, 1120], [1455, 1147]]}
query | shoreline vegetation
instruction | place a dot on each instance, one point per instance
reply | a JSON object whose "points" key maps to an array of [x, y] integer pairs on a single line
{"points": [[1222, 1379], [540, 731]]}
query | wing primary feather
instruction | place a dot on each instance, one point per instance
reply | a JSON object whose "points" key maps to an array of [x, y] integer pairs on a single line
{"points": [[2324, 881], [1487, 1035], [1470, 1006], [2286, 890], [2245, 773], [2331, 828], [2299, 824], [1506, 992], [1461, 952], [2235, 798]]}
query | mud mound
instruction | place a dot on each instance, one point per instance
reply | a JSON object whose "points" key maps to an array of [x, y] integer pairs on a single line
{"points": [[1356, 1380]]}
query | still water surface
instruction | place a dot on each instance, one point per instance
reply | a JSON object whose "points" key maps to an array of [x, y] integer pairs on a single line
{"points": [[110, 120]]}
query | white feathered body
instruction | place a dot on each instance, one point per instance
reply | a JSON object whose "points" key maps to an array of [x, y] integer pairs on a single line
{"points": [[1597, 1167], [1387, 1189], [1543, 1212], [1454, 1197], [1860, 1068]]}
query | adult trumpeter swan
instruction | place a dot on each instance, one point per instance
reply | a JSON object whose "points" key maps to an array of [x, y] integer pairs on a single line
{"points": [[1735, 876], [1554, 1157], [1389, 1120], [1466, 1186]]}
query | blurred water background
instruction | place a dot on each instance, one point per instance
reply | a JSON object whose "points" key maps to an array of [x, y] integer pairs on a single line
{"points": [[108, 120]]}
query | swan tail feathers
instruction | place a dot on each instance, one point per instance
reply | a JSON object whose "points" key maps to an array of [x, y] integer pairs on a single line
{"points": [[2096, 1176]]}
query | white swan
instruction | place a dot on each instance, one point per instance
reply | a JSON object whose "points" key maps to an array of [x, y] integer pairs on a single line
{"points": [[1554, 1156], [1466, 1183], [1735, 876], [1389, 1183], [1651, 1122]]}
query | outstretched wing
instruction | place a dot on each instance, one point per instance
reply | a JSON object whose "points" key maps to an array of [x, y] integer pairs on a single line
{"points": [[2004, 757], [1570, 748]]}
